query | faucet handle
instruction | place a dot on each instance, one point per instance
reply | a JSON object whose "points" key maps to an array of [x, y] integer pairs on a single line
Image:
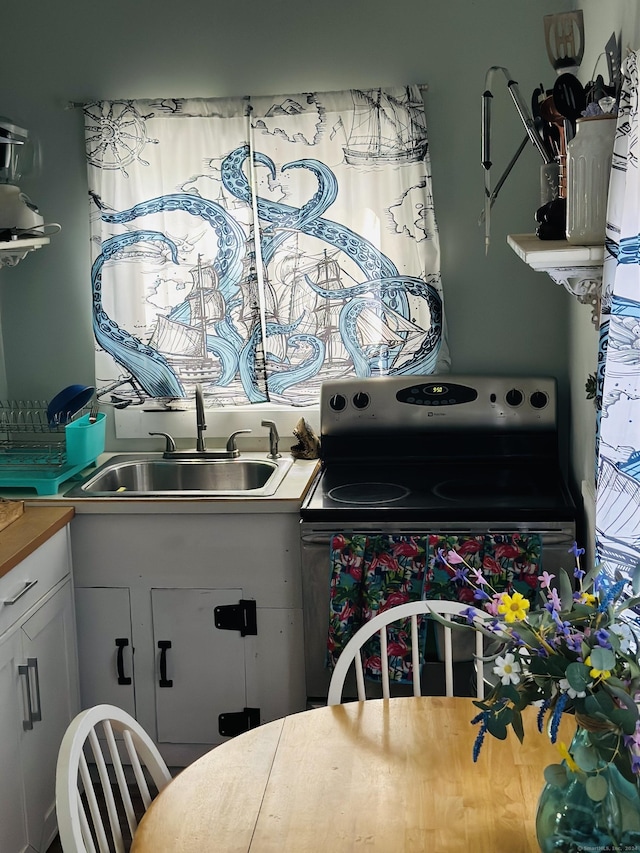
{"points": [[170, 446], [231, 441]]}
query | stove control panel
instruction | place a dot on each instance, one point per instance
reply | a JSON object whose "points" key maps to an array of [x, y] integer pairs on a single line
{"points": [[415, 403]]}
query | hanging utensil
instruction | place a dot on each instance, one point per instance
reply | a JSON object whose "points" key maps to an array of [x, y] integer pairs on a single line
{"points": [[614, 63], [569, 97], [532, 135], [564, 39]]}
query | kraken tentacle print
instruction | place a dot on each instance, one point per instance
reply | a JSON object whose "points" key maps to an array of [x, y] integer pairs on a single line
{"points": [[287, 251], [150, 368]]}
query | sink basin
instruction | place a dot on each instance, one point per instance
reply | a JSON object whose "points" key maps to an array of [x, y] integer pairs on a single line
{"points": [[146, 475]]}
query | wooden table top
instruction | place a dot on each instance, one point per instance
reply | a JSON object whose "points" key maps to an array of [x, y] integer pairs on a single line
{"points": [[382, 775]]}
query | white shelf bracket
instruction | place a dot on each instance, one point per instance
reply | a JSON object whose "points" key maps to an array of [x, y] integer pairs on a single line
{"points": [[577, 268]]}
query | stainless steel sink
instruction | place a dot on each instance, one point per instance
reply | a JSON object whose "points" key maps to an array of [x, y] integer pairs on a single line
{"points": [[146, 475]]}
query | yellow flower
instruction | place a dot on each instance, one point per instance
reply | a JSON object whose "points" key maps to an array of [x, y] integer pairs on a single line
{"points": [[564, 752], [514, 607], [598, 673], [587, 598]]}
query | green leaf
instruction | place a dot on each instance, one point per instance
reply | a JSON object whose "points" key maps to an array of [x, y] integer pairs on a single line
{"points": [[516, 725], [556, 774], [597, 788], [566, 590], [586, 757], [577, 674], [602, 659], [496, 727], [635, 580]]}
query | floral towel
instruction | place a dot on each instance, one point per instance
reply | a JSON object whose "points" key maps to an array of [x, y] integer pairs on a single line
{"points": [[370, 574], [509, 561]]}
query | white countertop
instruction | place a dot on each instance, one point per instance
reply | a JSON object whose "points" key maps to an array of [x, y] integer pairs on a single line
{"points": [[287, 498]]}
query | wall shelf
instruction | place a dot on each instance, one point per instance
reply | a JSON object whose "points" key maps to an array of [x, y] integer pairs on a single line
{"points": [[14, 251], [577, 268]]}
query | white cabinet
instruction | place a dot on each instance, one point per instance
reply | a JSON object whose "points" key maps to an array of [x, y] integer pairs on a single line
{"points": [[166, 605], [38, 691], [103, 617]]}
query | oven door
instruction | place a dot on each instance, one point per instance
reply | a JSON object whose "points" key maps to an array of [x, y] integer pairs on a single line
{"points": [[557, 539]]}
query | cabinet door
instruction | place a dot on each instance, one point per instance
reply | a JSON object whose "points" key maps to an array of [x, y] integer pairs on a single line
{"points": [[105, 652], [13, 827], [204, 666], [49, 653]]}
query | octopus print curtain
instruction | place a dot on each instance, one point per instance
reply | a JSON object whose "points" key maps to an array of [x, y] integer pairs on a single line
{"points": [[259, 246], [618, 474]]}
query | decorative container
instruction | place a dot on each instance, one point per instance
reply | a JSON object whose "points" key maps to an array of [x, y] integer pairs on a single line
{"points": [[572, 821], [589, 156]]}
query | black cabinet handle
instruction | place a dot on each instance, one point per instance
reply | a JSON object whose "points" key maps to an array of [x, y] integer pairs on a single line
{"points": [[121, 643], [163, 645]]}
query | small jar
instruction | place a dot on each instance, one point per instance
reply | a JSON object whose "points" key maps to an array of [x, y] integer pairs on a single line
{"points": [[589, 156]]}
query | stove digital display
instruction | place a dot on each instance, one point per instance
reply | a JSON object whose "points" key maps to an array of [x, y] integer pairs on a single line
{"points": [[436, 394]]}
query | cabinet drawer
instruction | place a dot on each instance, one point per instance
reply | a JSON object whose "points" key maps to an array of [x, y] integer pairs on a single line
{"points": [[25, 584]]}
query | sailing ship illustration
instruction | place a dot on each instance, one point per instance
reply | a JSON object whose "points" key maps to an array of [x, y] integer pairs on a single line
{"points": [[385, 336], [618, 514], [385, 129], [181, 336]]}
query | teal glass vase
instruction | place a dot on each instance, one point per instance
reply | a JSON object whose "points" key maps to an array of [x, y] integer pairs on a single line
{"points": [[569, 820]]}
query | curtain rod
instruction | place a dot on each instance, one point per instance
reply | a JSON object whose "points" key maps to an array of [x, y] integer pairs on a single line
{"points": [[75, 105]]}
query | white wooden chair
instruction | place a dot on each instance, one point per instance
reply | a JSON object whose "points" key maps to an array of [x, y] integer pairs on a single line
{"points": [[352, 652], [86, 807]]}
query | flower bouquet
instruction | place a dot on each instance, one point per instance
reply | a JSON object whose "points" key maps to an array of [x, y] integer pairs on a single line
{"points": [[574, 654]]}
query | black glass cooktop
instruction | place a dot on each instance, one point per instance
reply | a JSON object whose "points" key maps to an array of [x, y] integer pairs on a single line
{"points": [[415, 491]]}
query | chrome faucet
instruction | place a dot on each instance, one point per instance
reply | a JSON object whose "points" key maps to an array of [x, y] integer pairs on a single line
{"points": [[201, 424], [274, 438]]}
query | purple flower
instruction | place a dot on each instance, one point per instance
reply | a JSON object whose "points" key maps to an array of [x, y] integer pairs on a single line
{"points": [[545, 580], [478, 577], [554, 602], [602, 636], [577, 552], [454, 558], [635, 763], [469, 614], [461, 574], [481, 595]]}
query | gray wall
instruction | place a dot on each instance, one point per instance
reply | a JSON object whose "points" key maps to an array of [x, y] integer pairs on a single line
{"points": [[501, 316]]}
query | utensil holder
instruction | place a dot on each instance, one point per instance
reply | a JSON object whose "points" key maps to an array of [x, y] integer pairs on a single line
{"points": [[85, 440]]}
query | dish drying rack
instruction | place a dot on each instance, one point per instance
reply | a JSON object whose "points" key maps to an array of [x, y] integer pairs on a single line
{"points": [[41, 454]]}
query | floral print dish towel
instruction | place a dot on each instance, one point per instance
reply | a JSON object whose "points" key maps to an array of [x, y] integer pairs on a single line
{"points": [[370, 574]]}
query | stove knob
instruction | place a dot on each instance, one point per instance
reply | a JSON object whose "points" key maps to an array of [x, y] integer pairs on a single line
{"points": [[539, 399], [338, 402], [361, 400], [514, 397]]}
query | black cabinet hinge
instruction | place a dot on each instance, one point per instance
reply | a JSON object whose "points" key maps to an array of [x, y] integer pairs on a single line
{"points": [[236, 722], [237, 617]]}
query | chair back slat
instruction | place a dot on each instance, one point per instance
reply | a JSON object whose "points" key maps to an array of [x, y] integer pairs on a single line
{"points": [[415, 654], [353, 651], [86, 800]]}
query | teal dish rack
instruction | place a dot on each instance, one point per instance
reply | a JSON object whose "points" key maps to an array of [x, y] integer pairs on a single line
{"points": [[36, 454]]}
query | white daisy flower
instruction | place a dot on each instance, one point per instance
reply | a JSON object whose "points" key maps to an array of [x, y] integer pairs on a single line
{"points": [[564, 685], [623, 631], [507, 668]]}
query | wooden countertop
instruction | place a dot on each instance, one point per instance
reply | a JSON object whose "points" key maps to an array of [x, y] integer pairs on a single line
{"points": [[23, 536], [391, 776]]}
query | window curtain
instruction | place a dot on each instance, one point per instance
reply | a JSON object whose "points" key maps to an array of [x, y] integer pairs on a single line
{"points": [[261, 245], [618, 396]]}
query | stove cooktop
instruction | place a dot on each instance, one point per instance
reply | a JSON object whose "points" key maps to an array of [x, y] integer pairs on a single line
{"points": [[419, 492]]}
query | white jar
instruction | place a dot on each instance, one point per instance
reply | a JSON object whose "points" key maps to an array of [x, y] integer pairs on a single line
{"points": [[588, 169]]}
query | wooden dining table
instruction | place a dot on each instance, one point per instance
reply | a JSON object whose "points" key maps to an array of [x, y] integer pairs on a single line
{"points": [[390, 776]]}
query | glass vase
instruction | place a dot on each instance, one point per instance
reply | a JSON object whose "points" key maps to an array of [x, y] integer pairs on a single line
{"points": [[568, 820]]}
